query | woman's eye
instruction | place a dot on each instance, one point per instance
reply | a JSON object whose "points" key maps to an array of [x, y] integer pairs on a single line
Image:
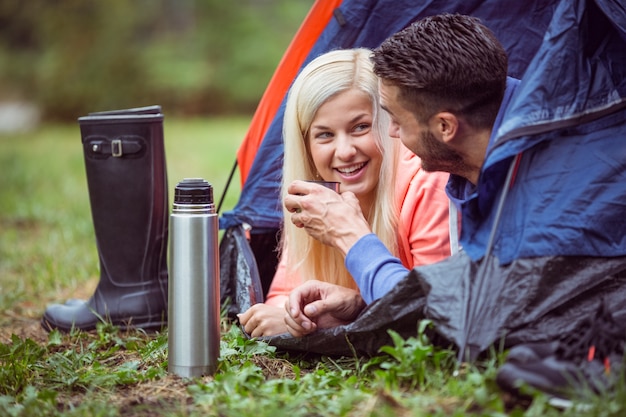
{"points": [[323, 135], [361, 127]]}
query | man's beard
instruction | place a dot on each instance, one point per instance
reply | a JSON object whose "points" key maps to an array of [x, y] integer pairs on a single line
{"points": [[439, 157]]}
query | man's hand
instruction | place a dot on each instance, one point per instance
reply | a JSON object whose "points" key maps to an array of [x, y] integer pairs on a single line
{"points": [[333, 219], [319, 305], [263, 320]]}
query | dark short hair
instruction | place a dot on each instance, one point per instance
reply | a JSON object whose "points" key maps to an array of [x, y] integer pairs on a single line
{"points": [[447, 62]]}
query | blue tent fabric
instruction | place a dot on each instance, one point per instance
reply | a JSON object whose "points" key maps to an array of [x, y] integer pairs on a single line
{"points": [[366, 23], [568, 119], [560, 238]]}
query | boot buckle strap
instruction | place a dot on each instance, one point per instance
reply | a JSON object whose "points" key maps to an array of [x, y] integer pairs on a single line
{"points": [[116, 148], [102, 147]]}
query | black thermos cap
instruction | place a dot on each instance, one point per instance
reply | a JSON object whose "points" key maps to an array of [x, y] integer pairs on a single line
{"points": [[193, 191]]}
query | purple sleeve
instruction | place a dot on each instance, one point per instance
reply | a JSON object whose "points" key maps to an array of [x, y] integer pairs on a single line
{"points": [[375, 270]]}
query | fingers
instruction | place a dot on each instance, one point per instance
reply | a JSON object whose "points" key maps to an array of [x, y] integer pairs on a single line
{"points": [[351, 199], [303, 194], [301, 296], [312, 310], [244, 317], [315, 305], [263, 320], [297, 322], [331, 218], [298, 187], [295, 191], [300, 326]]}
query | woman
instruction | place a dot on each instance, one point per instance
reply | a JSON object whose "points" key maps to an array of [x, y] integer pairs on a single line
{"points": [[334, 130]]}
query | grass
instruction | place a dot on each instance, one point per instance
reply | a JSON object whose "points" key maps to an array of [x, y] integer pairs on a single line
{"points": [[47, 254]]}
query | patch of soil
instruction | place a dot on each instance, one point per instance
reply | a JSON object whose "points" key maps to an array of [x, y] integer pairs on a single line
{"points": [[149, 398], [24, 318], [274, 368], [23, 327]]}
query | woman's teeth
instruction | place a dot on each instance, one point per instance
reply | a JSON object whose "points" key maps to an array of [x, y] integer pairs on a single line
{"points": [[352, 169]]}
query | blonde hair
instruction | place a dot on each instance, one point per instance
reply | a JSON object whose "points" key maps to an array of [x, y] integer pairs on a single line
{"points": [[326, 76]]}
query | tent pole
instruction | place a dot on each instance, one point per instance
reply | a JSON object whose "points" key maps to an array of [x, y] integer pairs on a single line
{"points": [[508, 183], [230, 178]]}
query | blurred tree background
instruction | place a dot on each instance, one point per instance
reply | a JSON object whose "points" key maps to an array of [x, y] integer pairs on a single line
{"points": [[193, 57]]}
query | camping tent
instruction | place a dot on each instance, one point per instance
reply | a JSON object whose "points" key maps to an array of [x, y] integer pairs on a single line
{"points": [[333, 24], [552, 244]]}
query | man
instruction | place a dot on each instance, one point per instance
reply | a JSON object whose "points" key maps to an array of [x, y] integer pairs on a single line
{"points": [[443, 81]]}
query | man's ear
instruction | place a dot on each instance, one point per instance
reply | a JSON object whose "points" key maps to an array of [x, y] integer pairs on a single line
{"points": [[446, 125]]}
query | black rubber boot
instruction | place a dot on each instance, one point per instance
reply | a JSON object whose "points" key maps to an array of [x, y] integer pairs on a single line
{"points": [[127, 181]]}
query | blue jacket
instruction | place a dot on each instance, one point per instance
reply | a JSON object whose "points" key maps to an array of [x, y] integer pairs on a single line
{"points": [[567, 119]]}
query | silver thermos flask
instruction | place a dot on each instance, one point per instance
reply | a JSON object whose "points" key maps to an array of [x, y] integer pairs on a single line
{"points": [[194, 281]]}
